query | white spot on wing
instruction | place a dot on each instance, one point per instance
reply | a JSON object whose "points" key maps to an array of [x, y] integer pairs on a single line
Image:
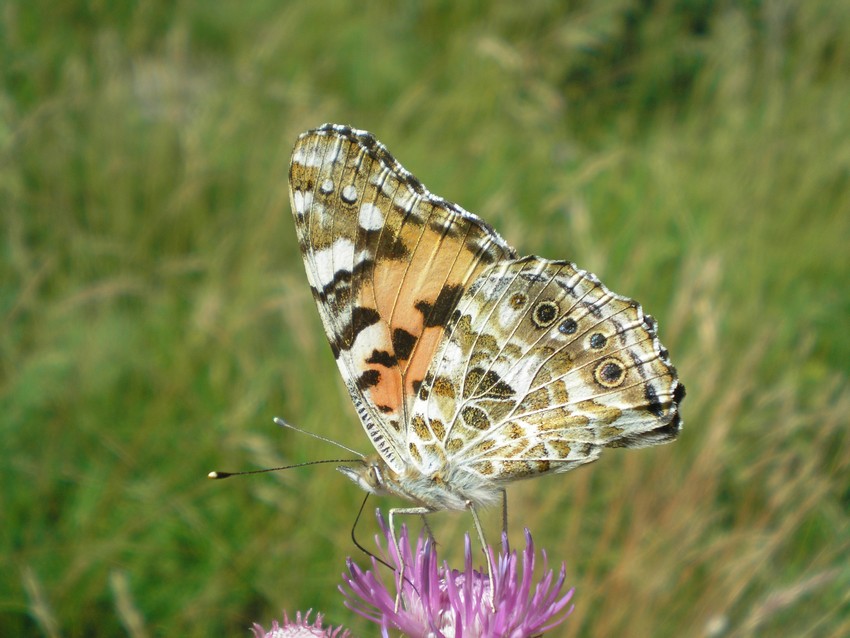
{"points": [[453, 352], [371, 338], [349, 193], [378, 179], [302, 201], [405, 199], [339, 256], [371, 217], [310, 157], [506, 315], [327, 186]]}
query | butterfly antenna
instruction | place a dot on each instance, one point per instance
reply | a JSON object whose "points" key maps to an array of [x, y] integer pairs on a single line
{"points": [[284, 424], [215, 474]]}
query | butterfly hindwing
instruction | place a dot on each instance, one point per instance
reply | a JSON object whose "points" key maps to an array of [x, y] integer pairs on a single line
{"points": [[387, 263], [540, 368]]}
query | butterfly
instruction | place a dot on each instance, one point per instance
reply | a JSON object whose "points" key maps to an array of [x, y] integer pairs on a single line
{"points": [[470, 367]]}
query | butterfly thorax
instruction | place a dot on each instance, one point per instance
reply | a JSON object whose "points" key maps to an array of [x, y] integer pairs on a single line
{"points": [[448, 488]]}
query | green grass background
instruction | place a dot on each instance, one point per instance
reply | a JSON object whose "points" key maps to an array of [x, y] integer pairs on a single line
{"points": [[154, 313]]}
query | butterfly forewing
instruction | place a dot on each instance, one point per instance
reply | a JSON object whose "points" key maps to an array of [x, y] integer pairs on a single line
{"points": [[387, 263]]}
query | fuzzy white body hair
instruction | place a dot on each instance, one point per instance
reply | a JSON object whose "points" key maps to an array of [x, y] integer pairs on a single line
{"points": [[450, 488]]}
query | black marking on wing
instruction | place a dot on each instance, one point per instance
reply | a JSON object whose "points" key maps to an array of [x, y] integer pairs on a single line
{"points": [[598, 340], [489, 381], [368, 379], [438, 313], [361, 318], [341, 278], [403, 343], [653, 404], [388, 248], [383, 358]]}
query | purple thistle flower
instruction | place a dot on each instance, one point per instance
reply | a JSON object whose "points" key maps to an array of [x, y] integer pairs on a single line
{"points": [[301, 628], [438, 602]]}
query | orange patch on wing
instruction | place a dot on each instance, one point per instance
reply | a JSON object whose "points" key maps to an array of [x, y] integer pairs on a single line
{"points": [[387, 392], [436, 261], [421, 359]]}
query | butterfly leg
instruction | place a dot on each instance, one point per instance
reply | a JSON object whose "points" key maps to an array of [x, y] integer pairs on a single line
{"points": [[421, 511], [428, 529], [505, 516], [487, 553]]}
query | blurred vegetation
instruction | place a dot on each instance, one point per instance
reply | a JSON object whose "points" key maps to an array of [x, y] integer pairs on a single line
{"points": [[154, 314]]}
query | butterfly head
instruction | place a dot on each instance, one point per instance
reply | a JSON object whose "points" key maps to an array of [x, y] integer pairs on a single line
{"points": [[433, 491], [374, 476]]}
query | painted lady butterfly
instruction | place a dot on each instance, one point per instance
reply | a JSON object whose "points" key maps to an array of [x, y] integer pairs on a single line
{"points": [[470, 367]]}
